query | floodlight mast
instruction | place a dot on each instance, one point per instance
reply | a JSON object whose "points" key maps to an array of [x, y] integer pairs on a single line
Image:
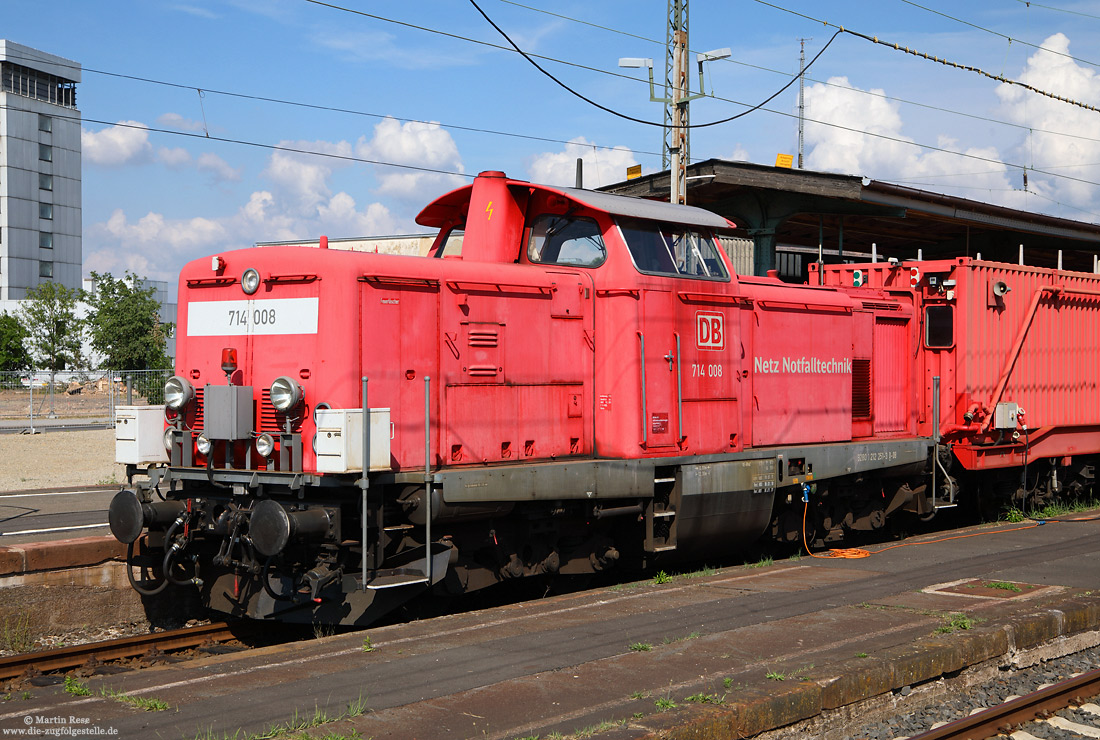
{"points": [[675, 153]]}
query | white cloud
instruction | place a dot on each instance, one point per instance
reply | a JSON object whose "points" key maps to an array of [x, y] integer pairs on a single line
{"points": [[299, 206], [739, 154], [302, 177], [174, 157], [177, 158], [601, 166], [195, 11], [127, 142], [867, 138], [1067, 155], [178, 122], [414, 144], [357, 47], [217, 167]]}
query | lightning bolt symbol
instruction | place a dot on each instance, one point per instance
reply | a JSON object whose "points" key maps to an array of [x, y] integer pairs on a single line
{"points": [[489, 210]]}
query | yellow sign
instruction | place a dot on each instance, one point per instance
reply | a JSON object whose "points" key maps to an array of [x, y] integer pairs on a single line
{"points": [[633, 172], [784, 160]]}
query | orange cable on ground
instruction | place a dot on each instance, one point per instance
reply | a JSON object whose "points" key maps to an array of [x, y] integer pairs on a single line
{"points": [[853, 553]]}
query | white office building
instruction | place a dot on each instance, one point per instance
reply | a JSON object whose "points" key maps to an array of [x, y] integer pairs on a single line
{"points": [[39, 170]]}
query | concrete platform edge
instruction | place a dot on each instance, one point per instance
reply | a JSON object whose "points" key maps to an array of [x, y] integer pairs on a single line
{"points": [[857, 680], [16, 560]]}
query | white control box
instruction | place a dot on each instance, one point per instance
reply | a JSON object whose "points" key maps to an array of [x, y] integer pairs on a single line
{"points": [[339, 440], [1005, 416], [139, 435]]}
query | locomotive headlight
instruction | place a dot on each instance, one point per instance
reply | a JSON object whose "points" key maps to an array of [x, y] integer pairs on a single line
{"points": [[265, 445], [178, 392], [168, 437], [285, 393], [250, 281], [203, 444]]}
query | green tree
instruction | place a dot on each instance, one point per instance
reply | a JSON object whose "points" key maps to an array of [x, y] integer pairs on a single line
{"points": [[13, 344], [124, 323], [54, 332]]}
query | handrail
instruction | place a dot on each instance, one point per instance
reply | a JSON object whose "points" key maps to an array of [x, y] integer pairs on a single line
{"points": [[467, 286], [719, 298], [364, 486], [428, 479], [645, 418], [1017, 346], [679, 393], [804, 305], [301, 278], [213, 282], [399, 280]]}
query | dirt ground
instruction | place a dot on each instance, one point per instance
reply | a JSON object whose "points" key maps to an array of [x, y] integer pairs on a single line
{"points": [[90, 400], [58, 459]]}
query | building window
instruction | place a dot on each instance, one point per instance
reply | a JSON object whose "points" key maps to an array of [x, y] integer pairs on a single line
{"points": [[30, 83], [45, 269], [45, 240], [45, 210], [45, 182], [45, 123], [45, 152]]}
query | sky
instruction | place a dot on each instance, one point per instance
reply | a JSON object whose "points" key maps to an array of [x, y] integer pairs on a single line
{"points": [[204, 121]]}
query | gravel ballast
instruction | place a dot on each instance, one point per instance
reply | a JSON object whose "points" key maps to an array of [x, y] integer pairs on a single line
{"points": [[1009, 684]]}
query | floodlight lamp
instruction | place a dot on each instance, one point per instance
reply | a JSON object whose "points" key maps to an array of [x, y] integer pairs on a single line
{"points": [[715, 54], [635, 62]]}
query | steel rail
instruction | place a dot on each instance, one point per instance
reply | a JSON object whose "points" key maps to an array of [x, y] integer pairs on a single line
{"points": [[1003, 717], [74, 656]]}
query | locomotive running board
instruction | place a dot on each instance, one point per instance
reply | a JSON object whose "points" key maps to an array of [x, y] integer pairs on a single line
{"points": [[603, 479]]}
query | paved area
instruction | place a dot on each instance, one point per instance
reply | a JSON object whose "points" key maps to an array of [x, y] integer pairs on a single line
{"points": [[44, 515], [727, 654]]}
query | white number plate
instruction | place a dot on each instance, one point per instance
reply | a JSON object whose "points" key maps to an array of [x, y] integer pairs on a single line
{"points": [[240, 318]]}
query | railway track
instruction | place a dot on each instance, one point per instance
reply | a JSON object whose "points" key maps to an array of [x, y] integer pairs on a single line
{"points": [[1004, 718], [68, 658]]}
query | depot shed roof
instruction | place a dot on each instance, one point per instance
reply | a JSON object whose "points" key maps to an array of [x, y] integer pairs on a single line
{"points": [[789, 208]]}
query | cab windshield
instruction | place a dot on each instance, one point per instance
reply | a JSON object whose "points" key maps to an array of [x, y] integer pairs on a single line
{"points": [[672, 249]]}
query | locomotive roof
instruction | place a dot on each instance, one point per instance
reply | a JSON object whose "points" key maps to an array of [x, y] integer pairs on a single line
{"points": [[451, 207], [620, 205]]}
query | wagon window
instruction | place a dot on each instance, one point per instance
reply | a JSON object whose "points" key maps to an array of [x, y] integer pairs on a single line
{"points": [[939, 326], [563, 240], [672, 249]]}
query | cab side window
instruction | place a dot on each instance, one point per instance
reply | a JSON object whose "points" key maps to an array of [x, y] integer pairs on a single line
{"points": [[672, 249], [450, 244], [566, 240]]}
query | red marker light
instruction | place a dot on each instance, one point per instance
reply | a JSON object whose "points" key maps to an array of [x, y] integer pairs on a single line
{"points": [[229, 360]]}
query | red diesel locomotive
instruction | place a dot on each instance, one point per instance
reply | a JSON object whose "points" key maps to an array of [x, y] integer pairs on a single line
{"points": [[572, 380]]}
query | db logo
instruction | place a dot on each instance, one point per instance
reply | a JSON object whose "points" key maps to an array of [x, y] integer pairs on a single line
{"points": [[710, 330]]}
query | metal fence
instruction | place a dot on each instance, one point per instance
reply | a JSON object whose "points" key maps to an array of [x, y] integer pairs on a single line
{"points": [[83, 396]]}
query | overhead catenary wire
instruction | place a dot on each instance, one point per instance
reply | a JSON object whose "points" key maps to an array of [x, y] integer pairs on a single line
{"points": [[1010, 39], [828, 83], [489, 131], [1031, 4], [613, 112], [258, 145], [932, 58], [329, 108]]}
